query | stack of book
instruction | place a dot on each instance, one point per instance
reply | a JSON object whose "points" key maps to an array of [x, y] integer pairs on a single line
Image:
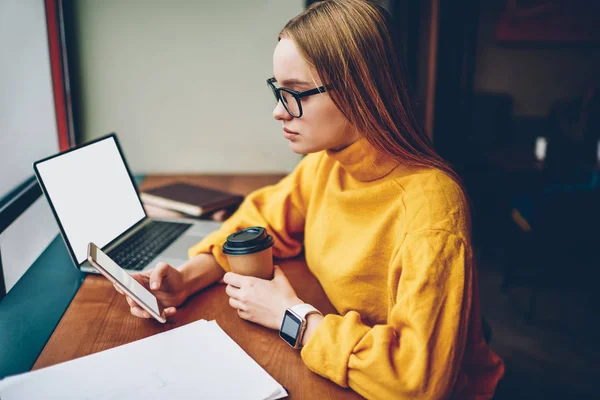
{"points": [[185, 199]]}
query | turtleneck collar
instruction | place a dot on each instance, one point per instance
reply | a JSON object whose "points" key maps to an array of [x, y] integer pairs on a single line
{"points": [[362, 161]]}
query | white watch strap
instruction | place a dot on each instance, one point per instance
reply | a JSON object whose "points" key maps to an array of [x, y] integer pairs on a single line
{"points": [[302, 310]]}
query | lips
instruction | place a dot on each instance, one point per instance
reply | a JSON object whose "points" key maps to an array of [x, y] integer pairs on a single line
{"points": [[289, 135]]}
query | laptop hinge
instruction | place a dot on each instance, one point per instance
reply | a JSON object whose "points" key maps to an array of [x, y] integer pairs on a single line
{"points": [[112, 244]]}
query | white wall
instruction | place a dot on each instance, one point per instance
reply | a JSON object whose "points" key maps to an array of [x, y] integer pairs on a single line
{"points": [[536, 77], [27, 129], [182, 82], [27, 120]]}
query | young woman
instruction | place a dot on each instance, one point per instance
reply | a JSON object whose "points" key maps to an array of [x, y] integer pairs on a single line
{"points": [[383, 220]]}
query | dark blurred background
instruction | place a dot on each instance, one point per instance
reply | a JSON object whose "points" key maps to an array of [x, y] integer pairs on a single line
{"points": [[508, 90]]}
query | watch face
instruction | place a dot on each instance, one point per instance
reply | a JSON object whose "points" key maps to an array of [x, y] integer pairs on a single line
{"points": [[290, 328]]}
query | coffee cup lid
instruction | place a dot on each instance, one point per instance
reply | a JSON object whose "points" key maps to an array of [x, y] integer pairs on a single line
{"points": [[247, 241]]}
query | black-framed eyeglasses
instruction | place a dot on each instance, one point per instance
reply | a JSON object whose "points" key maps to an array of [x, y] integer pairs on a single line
{"points": [[290, 98]]}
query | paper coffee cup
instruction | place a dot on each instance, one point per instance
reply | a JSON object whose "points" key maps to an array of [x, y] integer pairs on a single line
{"points": [[249, 252]]}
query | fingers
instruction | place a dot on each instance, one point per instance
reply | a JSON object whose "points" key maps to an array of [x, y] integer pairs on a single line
{"points": [[234, 292], [244, 315], [130, 301], [139, 312], [157, 275], [169, 311], [235, 298], [118, 289], [277, 272], [238, 305], [142, 277], [236, 280]]}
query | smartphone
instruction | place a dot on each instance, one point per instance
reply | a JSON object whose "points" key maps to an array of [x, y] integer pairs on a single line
{"points": [[118, 276]]}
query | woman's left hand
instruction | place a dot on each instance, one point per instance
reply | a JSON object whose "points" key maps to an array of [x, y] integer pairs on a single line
{"points": [[261, 301]]}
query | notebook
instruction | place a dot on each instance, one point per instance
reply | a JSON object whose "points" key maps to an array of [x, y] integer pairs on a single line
{"points": [[195, 361], [93, 197], [189, 199]]}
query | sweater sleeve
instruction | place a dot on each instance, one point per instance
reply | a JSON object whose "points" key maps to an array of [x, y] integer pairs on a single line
{"points": [[280, 208], [418, 352]]}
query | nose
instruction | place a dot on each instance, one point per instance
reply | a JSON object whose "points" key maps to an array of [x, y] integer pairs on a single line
{"points": [[280, 113]]}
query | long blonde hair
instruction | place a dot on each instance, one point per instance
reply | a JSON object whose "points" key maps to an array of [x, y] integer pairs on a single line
{"points": [[350, 45]]}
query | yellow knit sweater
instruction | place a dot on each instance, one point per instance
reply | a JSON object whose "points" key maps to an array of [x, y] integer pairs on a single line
{"points": [[391, 247]]}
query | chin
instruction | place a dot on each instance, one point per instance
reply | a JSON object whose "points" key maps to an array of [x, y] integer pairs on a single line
{"points": [[303, 149]]}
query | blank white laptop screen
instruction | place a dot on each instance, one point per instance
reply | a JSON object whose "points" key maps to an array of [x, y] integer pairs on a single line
{"points": [[92, 194]]}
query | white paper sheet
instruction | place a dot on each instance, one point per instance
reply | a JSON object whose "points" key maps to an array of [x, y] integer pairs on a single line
{"points": [[195, 361]]}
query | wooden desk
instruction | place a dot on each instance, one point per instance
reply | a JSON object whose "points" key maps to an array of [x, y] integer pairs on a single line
{"points": [[98, 318]]}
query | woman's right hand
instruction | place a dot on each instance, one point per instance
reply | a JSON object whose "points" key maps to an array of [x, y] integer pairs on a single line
{"points": [[164, 282]]}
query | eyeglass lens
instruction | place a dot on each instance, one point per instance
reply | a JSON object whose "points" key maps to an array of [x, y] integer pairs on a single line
{"points": [[290, 103]]}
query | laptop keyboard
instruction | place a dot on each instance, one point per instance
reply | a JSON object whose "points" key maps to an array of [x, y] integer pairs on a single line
{"points": [[146, 243]]}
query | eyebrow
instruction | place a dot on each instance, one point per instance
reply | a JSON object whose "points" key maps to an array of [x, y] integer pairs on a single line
{"points": [[296, 82]]}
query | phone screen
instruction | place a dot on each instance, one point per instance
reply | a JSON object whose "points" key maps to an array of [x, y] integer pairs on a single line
{"points": [[126, 280]]}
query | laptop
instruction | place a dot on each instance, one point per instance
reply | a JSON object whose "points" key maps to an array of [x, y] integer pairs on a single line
{"points": [[94, 198]]}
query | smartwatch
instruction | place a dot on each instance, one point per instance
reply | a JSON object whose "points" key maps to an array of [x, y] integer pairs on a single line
{"points": [[294, 324]]}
